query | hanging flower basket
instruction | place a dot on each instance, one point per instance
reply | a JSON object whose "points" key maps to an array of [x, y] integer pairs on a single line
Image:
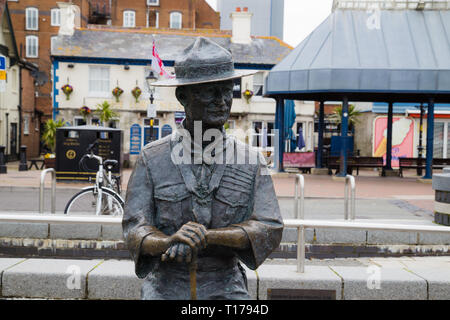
{"points": [[85, 111], [248, 94], [117, 92], [136, 92], [67, 89]]}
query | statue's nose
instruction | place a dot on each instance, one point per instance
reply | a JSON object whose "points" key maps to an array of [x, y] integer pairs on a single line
{"points": [[219, 96]]}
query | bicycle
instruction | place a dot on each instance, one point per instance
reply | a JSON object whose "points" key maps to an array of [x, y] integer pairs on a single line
{"points": [[104, 197]]}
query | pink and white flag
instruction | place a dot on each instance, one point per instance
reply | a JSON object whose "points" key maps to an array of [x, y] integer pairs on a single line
{"points": [[157, 64]]}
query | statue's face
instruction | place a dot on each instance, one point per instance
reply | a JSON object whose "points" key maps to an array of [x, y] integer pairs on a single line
{"points": [[207, 102]]}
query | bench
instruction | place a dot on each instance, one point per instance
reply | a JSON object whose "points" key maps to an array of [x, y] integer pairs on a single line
{"points": [[355, 162], [416, 163], [34, 162]]}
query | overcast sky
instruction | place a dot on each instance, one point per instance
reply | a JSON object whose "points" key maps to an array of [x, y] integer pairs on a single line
{"points": [[301, 17]]}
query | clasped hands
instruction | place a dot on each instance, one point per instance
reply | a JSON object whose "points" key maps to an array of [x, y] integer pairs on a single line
{"points": [[190, 238]]}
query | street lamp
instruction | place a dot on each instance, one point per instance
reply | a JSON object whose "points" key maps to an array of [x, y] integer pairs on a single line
{"points": [[149, 80], [151, 89]]}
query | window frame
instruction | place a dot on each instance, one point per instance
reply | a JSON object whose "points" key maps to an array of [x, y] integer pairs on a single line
{"points": [[28, 10], [26, 124], [52, 16], [99, 94], [27, 46], [124, 19], [172, 14], [152, 3]]}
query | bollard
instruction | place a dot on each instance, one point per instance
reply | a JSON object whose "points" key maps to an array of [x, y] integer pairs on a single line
{"points": [[3, 168], [23, 166], [441, 187]]}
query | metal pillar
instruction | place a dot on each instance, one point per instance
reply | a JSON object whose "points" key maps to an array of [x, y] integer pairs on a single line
{"points": [[3, 168], [420, 147], [279, 125], [388, 165], [321, 129], [344, 134], [23, 166], [430, 140]]}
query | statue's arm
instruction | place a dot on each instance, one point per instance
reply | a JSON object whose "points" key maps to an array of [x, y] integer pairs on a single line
{"points": [[233, 237]]}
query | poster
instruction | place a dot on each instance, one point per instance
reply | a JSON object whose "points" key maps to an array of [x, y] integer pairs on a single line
{"points": [[135, 139], [402, 138]]}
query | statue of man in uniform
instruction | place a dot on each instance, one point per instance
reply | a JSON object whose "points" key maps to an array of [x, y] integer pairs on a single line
{"points": [[196, 207]]}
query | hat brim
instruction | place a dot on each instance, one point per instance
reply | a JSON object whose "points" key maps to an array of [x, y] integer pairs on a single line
{"points": [[184, 82]]}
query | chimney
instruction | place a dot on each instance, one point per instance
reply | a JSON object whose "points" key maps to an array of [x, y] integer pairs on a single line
{"points": [[241, 26], [70, 18]]}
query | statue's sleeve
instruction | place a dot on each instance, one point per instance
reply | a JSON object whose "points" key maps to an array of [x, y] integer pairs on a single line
{"points": [[264, 227], [138, 218]]}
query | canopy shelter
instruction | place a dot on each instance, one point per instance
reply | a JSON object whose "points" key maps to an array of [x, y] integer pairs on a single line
{"points": [[372, 56]]}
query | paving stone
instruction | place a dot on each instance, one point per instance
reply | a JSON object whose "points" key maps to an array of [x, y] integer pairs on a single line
{"points": [[48, 278], [434, 238], [114, 279], [112, 232], [6, 263], [340, 236], [365, 283], [391, 237], [287, 277], [24, 230], [75, 231]]}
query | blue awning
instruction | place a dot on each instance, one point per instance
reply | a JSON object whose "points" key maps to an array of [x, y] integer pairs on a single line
{"points": [[406, 54]]}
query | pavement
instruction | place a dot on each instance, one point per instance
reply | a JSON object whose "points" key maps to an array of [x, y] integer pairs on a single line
{"points": [[416, 278], [382, 199]]}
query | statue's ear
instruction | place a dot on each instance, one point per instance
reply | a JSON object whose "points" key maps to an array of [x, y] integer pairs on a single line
{"points": [[181, 94]]}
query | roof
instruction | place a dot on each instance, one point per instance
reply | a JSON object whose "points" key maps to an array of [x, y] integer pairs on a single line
{"points": [[405, 56], [134, 44]]}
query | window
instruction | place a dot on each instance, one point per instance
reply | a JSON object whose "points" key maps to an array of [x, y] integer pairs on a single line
{"points": [[32, 46], [129, 19], [26, 124], [31, 19], [99, 81], [52, 42], [263, 134], [175, 20], [14, 80], [153, 19], [153, 2], [55, 17], [79, 121], [258, 83], [441, 140]]}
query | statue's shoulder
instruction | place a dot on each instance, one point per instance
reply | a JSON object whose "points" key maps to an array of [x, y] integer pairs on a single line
{"points": [[157, 148]]}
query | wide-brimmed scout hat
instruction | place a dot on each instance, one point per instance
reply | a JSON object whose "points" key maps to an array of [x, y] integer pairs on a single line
{"points": [[201, 62]]}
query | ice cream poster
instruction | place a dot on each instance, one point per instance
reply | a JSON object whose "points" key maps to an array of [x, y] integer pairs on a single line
{"points": [[402, 138]]}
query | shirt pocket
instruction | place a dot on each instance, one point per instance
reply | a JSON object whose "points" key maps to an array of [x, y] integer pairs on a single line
{"points": [[169, 213]]}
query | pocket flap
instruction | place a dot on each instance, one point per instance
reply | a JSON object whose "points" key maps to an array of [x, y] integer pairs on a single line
{"points": [[173, 193]]}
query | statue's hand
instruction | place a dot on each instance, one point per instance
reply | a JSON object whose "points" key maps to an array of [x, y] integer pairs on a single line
{"points": [[193, 234], [180, 252]]}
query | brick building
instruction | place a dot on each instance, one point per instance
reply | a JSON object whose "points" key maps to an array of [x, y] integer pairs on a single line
{"points": [[36, 25]]}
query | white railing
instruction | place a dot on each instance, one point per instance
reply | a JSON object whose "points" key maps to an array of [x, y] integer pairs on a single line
{"points": [[41, 190], [60, 219], [392, 4], [299, 204], [301, 225]]}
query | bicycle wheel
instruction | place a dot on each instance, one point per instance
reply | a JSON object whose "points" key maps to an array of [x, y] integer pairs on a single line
{"points": [[85, 201]]}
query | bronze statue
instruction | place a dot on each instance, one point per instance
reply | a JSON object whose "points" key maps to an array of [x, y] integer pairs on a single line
{"points": [[188, 223]]}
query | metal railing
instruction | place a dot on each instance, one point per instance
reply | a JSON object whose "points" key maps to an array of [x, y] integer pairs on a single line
{"points": [[349, 180], [391, 4], [41, 190], [60, 219], [299, 208], [301, 225]]}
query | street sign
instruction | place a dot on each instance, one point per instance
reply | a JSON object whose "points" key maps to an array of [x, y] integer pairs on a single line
{"points": [[2, 73], [151, 111]]}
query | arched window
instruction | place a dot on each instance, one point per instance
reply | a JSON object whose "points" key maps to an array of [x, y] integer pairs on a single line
{"points": [[175, 20], [129, 19], [31, 18], [32, 46]]}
